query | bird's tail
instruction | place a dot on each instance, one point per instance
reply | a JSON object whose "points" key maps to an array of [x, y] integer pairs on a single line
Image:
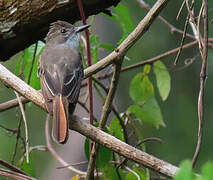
{"points": [[60, 119]]}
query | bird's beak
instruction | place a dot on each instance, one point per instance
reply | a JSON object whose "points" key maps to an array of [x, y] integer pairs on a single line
{"points": [[81, 28]]}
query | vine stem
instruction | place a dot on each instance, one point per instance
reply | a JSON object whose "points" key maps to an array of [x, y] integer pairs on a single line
{"points": [[89, 61]]}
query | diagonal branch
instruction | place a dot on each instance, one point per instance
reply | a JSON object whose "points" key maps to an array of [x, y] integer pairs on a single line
{"points": [[92, 132], [141, 28], [122, 148], [104, 116]]}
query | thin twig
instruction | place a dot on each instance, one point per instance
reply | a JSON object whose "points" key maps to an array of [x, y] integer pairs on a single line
{"points": [[14, 175], [108, 102], [32, 64], [171, 27], [14, 131], [92, 161], [18, 135], [113, 110], [73, 164], [133, 172], [25, 124], [180, 10], [104, 115], [182, 40], [203, 75], [11, 167], [156, 58], [116, 170], [148, 140], [54, 154]]}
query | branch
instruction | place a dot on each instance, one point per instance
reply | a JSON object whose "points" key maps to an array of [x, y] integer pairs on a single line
{"points": [[171, 27], [122, 148], [14, 175], [10, 80], [141, 28], [88, 130], [14, 102], [203, 75], [11, 167], [104, 116]]}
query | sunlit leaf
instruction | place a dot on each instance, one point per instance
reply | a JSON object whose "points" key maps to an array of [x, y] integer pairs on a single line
{"points": [[77, 177], [207, 172], [163, 79], [29, 168], [116, 129], [185, 172], [94, 48], [148, 112], [147, 69], [141, 88]]}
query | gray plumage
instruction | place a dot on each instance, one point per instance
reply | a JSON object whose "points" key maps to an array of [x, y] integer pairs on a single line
{"points": [[61, 72]]}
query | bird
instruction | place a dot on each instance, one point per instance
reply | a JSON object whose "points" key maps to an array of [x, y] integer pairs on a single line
{"points": [[61, 71]]}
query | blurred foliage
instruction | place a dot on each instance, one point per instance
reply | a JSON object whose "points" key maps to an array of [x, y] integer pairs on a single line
{"points": [[186, 172], [150, 97]]}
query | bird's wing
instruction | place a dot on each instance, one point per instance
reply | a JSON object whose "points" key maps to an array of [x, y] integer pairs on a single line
{"points": [[63, 75]]}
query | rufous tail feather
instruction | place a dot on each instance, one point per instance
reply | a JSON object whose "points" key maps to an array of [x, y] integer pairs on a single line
{"points": [[60, 119]]}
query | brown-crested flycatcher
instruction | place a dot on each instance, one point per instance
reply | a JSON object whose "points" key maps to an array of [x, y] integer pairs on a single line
{"points": [[61, 72]]}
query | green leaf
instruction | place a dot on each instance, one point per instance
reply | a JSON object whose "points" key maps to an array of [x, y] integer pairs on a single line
{"points": [[27, 64], [207, 171], [122, 17], [116, 129], [163, 79], [104, 154], [141, 88], [147, 69], [108, 47], [185, 172], [29, 168], [124, 14], [94, 47], [109, 172], [148, 112], [139, 171]]}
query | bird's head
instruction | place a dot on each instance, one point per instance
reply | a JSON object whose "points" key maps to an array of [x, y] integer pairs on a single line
{"points": [[64, 32]]}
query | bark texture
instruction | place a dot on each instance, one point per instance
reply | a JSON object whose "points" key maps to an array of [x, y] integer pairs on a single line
{"points": [[23, 22]]}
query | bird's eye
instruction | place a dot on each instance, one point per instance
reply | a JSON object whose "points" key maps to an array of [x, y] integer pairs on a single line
{"points": [[63, 30]]}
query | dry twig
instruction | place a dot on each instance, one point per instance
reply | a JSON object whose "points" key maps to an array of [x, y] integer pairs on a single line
{"points": [[54, 154], [203, 75], [25, 124]]}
